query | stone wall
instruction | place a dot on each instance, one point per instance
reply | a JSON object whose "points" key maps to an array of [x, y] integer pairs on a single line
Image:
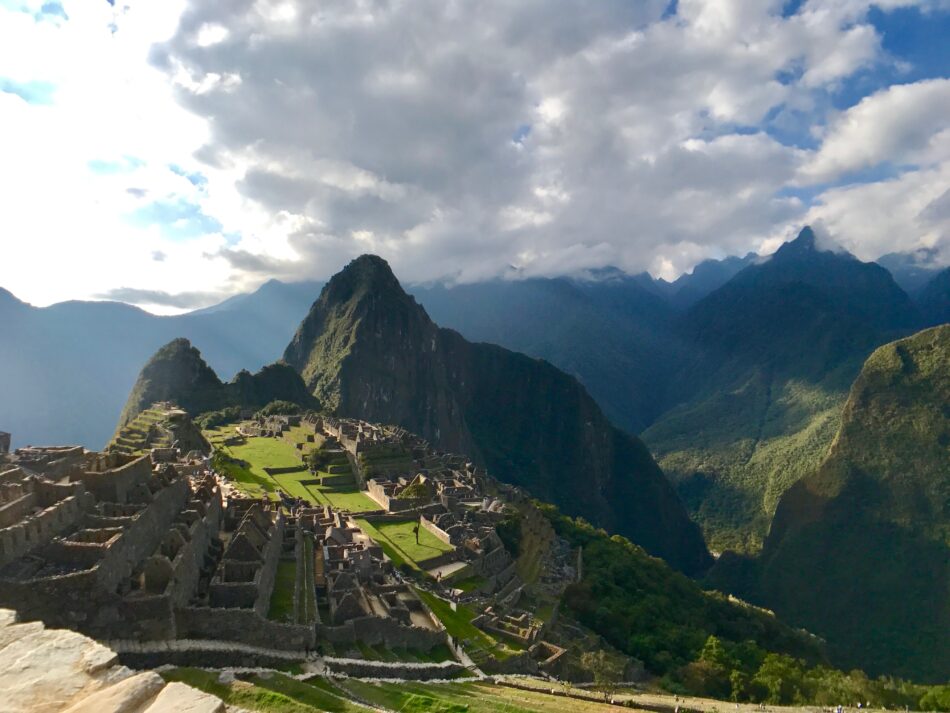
{"points": [[243, 626], [39, 529], [379, 669], [439, 533], [190, 558], [268, 571], [388, 632], [143, 536], [115, 484]]}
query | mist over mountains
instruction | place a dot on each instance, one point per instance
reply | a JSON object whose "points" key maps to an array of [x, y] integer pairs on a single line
{"points": [[616, 333]]}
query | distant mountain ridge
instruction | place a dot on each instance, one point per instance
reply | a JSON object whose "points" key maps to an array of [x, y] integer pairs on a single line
{"points": [[755, 407], [66, 370], [369, 350], [740, 393]]}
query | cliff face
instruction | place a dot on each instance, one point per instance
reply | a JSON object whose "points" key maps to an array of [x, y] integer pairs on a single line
{"points": [[368, 350], [866, 538], [179, 374]]}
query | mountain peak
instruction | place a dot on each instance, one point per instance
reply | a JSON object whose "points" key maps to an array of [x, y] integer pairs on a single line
{"points": [[369, 270], [804, 244]]}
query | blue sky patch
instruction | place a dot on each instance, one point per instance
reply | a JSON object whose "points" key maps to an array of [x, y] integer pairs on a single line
{"points": [[196, 179], [178, 220], [126, 164], [32, 92]]}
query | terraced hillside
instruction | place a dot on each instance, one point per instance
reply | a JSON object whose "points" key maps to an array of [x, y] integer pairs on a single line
{"points": [[160, 426]]}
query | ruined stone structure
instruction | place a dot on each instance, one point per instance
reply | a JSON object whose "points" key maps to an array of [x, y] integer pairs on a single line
{"points": [[4, 442]]}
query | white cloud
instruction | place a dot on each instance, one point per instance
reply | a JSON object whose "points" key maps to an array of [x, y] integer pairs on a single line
{"points": [[905, 123], [900, 213], [455, 139]]}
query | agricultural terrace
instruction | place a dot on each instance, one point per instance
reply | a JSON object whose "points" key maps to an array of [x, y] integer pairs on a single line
{"points": [[338, 491], [277, 693], [458, 623], [398, 541]]}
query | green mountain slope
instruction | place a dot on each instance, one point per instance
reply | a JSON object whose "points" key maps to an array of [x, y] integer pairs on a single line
{"points": [[934, 298], [859, 551], [775, 350], [177, 373], [368, 350]]}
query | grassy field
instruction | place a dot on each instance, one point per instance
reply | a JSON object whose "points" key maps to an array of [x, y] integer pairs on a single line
{"points": [[381, 653], [260, 453], [282, 598], [276, 693], [399, 541], [270, 694], [307, 597], [474, 697], [458, 623]]}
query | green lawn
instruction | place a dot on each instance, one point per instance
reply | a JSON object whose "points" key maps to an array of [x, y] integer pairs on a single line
{"points": [[307, 598], [458, 623], [272, 694], [282, 598], [399, 541], [474, 697], [381, 653], [262, 453]]}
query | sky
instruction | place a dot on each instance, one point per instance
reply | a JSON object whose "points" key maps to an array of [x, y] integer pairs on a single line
{"points": [[169, 153]]}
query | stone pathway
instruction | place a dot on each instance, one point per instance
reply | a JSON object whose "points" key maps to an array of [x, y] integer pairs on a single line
{"points": [[59, 670]]}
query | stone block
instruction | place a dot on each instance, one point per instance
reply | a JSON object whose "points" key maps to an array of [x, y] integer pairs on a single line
{"points": [[179, 698]]}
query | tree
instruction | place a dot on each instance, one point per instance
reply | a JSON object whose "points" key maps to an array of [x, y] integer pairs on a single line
{"points": [[782, 676], [739, 682], [607, 671]]}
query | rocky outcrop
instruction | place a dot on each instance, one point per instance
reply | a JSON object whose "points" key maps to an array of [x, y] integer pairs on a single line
{"points": [[59, 670], [368, 350]]}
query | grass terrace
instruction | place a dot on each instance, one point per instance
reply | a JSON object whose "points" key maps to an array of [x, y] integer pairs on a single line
{"points": [[479, 644], [274, 693], [466, 697], [282, 598], [399, 541], [339, 492]]}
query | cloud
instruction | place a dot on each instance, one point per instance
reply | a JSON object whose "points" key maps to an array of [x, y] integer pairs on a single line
{"points": [[901, 213], [160, 298], [248, 139], [903, 124]]}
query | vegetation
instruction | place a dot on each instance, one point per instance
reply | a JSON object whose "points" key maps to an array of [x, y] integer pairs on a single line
{"points": [[245, 464], [746, 673], [279, 408], [775, 351], [240, 473], [177, 373], [881, 496], [462, 697], [273, 693], [213, 419], [458, 623], [282, 597], [479, 397], [607, 672], [645, 609], [509, 532], [399, 541]]}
